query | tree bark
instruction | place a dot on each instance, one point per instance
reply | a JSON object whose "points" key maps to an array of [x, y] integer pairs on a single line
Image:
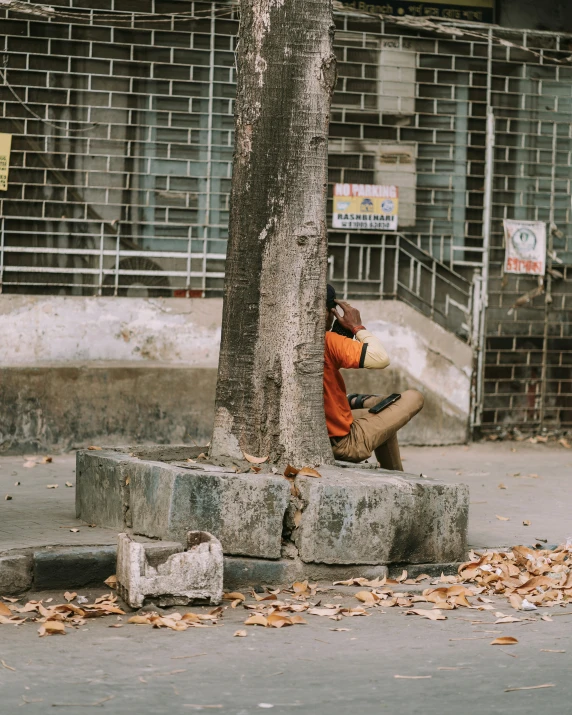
{"points": [[269, 398]]}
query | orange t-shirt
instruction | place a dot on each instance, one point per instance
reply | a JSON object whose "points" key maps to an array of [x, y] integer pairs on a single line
{"points": [[339, 352]]}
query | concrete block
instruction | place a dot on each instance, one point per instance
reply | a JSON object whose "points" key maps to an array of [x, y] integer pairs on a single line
{"points": [[101, 496], [168, 572], [15, 573], [244, 511], [357, 516]]}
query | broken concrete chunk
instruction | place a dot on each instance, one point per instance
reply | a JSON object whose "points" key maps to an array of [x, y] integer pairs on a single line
{"points": [[169, 572]]}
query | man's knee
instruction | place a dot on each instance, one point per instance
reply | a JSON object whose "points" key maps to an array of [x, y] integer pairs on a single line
{"points": [[414, 400]]}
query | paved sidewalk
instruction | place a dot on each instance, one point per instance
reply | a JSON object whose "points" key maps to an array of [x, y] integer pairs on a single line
{"points": [[541, 493], [37, 516]]}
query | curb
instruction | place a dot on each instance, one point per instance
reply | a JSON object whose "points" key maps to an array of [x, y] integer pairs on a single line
{"points": [[55, 567], [68, 567]]}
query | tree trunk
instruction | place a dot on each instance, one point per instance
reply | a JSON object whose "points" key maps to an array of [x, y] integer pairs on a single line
{"points": [[269, 398]]}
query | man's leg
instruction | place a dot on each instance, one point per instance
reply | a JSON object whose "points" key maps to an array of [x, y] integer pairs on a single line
{"points": [[378, 433]]}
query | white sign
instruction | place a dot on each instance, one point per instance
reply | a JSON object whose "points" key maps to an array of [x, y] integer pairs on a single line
{"points": [[525, 243], [370, 206]]}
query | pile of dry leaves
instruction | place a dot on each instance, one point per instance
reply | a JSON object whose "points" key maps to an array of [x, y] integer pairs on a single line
{"points": [[53, 619]]}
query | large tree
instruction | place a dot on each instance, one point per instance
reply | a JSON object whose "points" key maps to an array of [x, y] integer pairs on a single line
{"points": [[269, 398]]}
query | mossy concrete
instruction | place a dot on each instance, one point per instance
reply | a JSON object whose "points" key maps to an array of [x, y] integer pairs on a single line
{"points": [[348, 516]]}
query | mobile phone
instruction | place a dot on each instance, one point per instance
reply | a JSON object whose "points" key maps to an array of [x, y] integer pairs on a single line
{"points": [[376, 409]]}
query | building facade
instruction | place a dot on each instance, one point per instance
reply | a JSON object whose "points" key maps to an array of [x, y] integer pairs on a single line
{"points": [[121, 119]]}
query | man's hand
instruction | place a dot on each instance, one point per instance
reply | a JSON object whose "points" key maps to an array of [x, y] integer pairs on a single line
{"points": [[351, 318]]}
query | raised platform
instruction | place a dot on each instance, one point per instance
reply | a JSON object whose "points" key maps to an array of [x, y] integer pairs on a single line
{"points": [[350, 516]]}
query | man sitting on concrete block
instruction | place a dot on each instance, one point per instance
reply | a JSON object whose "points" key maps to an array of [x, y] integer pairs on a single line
{"points": [[354, 431]]}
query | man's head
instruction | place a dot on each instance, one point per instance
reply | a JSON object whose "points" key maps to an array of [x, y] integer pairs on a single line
{"points": [[330, 307]]}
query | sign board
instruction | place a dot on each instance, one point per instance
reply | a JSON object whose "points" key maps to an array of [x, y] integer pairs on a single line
{"points": [[370, 206], [469, 10], [5, 144], [525, 243]]}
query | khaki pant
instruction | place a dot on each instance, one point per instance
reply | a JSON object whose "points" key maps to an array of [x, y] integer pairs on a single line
{"points": [[378, 433]]}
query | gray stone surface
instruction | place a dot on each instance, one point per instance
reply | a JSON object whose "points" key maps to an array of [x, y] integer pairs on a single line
{"points": [[168, 572], [244, 572], [162, 501], [348, 516], [15, 573], [101, 496], [244, 511], [73, 566], [372, 516]]}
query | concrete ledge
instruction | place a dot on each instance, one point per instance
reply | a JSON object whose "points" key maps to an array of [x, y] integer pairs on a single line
{"points": [[358, 516], [164, 501], [348, 516]]}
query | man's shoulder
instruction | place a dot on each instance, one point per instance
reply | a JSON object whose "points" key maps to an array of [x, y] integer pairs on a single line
{"points": [[337, 340]]}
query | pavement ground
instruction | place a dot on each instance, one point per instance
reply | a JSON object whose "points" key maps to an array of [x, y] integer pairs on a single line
{"points": [[444, 666]]}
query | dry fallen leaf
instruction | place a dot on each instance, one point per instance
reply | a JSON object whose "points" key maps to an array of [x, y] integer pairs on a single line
{"points": [[74, 531], [526, 522], [50, 628], [4, 610], [290, 472], [240, 634], [367, 597], [46, 460], [549, 650], [51, 486], [29, 464], [565, 443], [504, 640], [308, 472], [8, 497], [256, 620], [502, 518], [70, 596], [502, 486], [340, 629], [297, 518], [234, 596], [254, 460], [5, 665], [111, 581], [300, 586], [432, 615], [69, 484], [96, 448]]}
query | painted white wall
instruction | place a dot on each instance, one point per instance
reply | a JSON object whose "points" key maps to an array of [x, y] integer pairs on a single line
{"points": [[38, 330]]}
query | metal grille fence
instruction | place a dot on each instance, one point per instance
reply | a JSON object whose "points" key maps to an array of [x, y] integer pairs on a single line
{"points": [[120, 171]]}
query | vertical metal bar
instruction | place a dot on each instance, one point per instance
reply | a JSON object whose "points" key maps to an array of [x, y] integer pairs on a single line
{"points": [[477, 411], [189, 250], [206, 227], [117, 252], [101, 248], [346, 264], [2, 228], [396, 267], [548, 281], [382, 267]]}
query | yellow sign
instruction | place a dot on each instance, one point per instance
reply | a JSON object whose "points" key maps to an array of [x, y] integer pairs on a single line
{"points": [[5, 145], [370, 206]]}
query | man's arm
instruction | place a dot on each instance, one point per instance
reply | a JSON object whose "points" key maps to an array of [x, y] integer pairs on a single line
{"points": [[374, 355]]}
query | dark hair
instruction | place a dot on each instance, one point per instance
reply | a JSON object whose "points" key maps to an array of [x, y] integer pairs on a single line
{"points": [[331, 297]]}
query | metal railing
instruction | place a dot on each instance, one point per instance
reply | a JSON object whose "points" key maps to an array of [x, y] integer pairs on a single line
{"points": [[391, 266]]}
